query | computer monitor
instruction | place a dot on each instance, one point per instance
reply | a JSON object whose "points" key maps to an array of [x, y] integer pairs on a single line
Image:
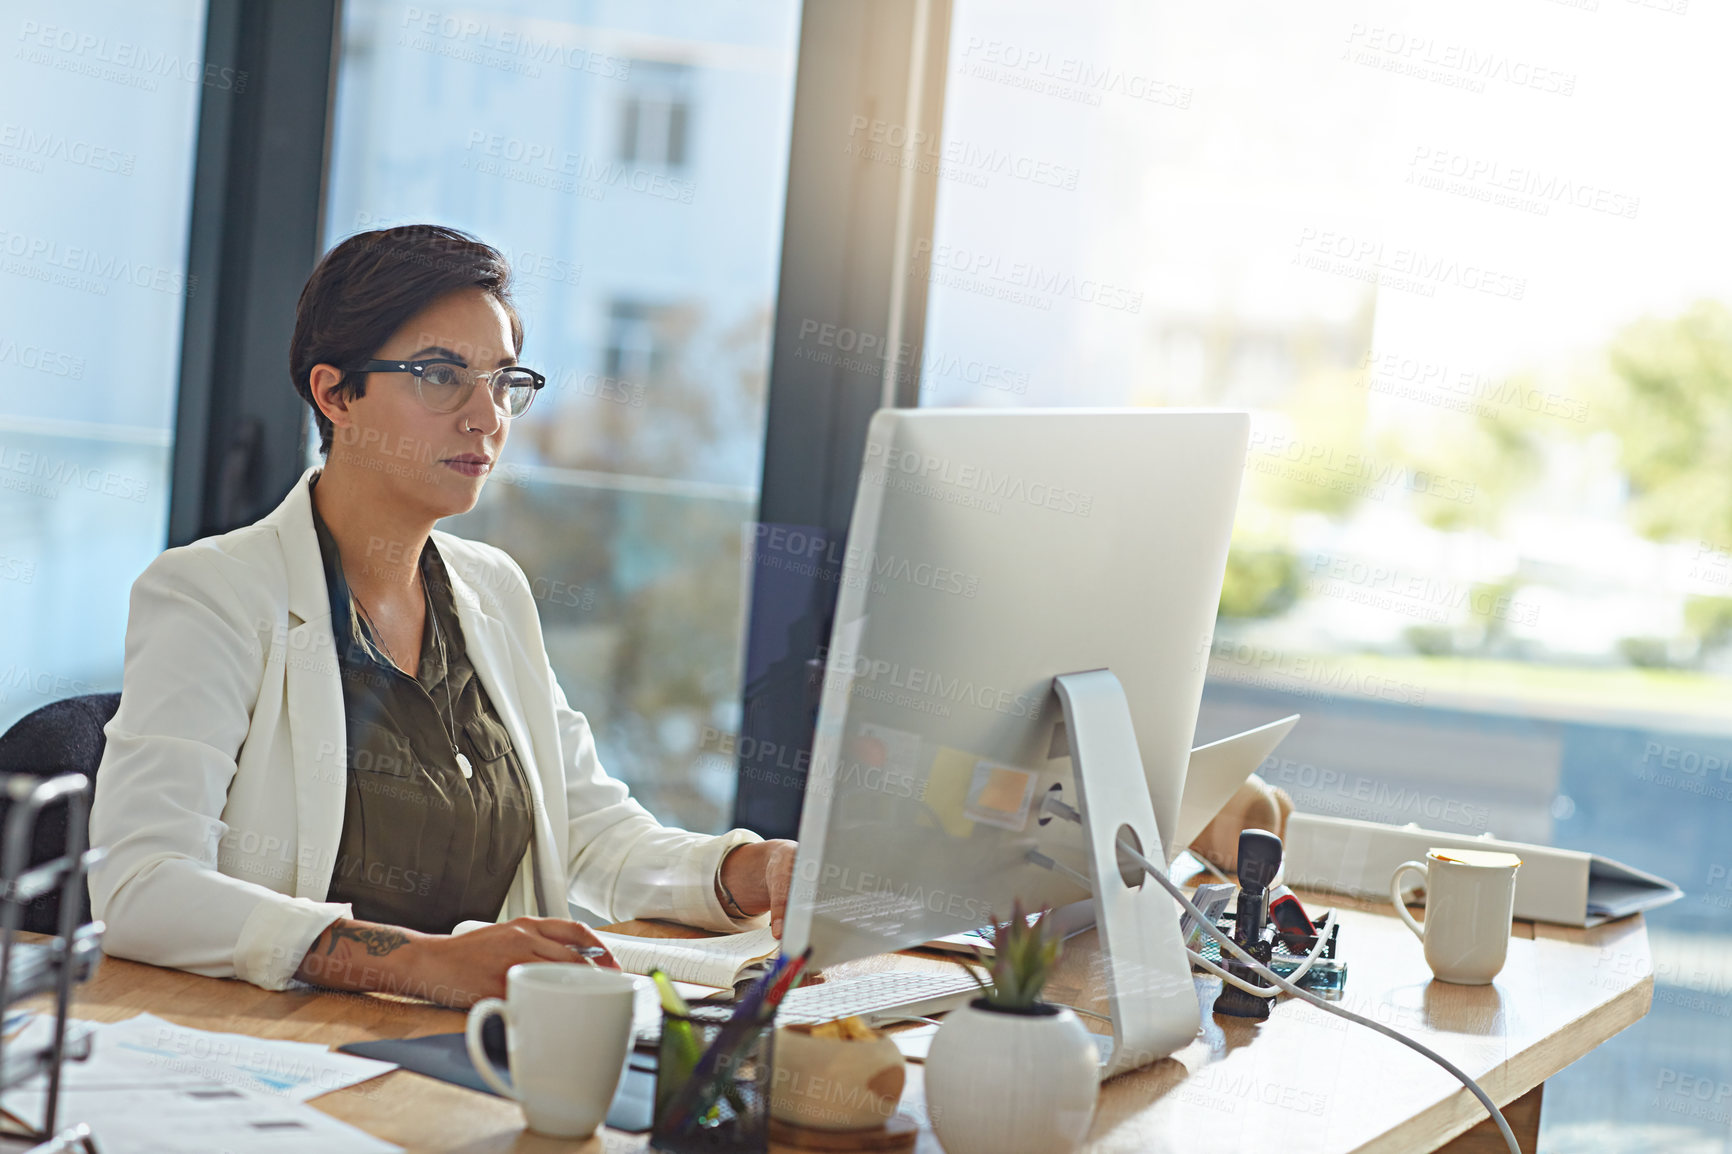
{"points": [[990, 551]]}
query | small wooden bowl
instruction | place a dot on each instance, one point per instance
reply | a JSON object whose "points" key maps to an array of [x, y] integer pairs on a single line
{"points": [[834, 1083]]}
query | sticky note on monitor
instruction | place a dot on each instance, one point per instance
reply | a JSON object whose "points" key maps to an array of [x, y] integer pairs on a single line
{"points": [[1000, 795], [947, 787]]}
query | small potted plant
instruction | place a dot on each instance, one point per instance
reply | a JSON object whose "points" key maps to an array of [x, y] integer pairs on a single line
{"points": [[1009, 1073]]}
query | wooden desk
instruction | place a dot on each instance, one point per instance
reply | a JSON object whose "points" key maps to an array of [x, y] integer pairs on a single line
{"points": [[1301, 1082]]}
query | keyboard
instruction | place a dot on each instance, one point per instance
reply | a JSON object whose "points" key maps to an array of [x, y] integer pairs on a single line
{"points": [[880, 998]]}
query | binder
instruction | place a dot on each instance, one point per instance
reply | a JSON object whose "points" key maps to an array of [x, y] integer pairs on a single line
{"points": [[1565, 886]]}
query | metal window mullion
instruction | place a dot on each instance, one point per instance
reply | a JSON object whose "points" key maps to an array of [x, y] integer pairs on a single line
{"points": [[851, 225], [256, 232]]}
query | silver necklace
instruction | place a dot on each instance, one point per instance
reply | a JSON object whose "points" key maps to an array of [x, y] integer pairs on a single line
{"points": [[450, 734], [445, 667]]}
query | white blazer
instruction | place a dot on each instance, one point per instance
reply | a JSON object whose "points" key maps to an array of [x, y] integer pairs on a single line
{"points": [[220, 795]]}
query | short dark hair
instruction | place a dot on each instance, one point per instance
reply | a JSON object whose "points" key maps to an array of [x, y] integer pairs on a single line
{"points": [[369, 286]]}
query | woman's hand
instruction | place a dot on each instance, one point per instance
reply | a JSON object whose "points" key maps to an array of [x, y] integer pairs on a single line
{"points": [[758, 875], [454, 970]]}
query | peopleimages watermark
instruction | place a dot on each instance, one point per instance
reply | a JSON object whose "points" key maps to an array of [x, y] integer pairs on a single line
{"points": [[1065, 77], [1705, 774], [481, 580], [545, 164], [1719, 887], [43, 475], [1462, 390], [1711, 563], [54, 362], [119, 61], [1698, 1096], [831, 878], [860, 351], [1013, 281], [84, 268], [778, 764], [811, 554], [1390, 586], [1304, 675], [525, 262], [926, 690], [1402, 268], [1520, 187], [1694, 981], [1228, 1093], [1357, 474], [233, 1060], [1450, 64], [543, 266], [21, 678], [1331, 790], [467, 38], [27, 148], [600, 386], [888, 142], [383, 875], [966, 483]]}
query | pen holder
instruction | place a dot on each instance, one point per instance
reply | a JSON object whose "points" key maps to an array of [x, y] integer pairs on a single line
{"points": [[731, 1107]]}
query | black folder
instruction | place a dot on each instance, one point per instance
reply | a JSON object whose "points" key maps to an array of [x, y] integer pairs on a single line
{"points": [[446, 1057]]}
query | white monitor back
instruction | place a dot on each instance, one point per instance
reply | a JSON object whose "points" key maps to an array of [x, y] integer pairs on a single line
{"points": [[989, 552]]}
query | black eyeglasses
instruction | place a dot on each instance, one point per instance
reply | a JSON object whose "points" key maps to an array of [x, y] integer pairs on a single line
{"points": [[445, 386]]}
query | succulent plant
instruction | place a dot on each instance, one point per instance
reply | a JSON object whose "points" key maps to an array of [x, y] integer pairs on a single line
{"points": [[1024, 955]]}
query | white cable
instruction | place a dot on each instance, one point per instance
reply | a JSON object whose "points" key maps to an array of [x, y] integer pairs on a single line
{"points": [[1201, 962], [1228, 944], [1323, 933], [1213, 868], [1060, 809], [1089, 1013]]}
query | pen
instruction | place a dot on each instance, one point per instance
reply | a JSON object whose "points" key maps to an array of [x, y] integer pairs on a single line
{"points": [[589, 953], [681, 1050], [750, 1017]]}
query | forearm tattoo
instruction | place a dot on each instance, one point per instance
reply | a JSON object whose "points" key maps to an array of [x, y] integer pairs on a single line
{"points": [[377, 941]]}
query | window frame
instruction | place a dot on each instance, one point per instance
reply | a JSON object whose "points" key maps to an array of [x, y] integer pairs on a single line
{"points": [[257, 219]]}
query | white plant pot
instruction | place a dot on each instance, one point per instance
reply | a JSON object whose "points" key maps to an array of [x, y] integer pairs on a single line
{"points": [[1007, 1083]]}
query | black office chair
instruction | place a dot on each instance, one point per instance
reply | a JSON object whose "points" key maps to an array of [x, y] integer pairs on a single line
{"points": [[63, 737]]}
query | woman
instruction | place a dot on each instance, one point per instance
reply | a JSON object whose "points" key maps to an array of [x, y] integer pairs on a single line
{"points": [[339, 736]]}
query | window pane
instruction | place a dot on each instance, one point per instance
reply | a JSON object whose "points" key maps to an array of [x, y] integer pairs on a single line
{"points": [[632, 165], [1468, 270], [101, 105]]}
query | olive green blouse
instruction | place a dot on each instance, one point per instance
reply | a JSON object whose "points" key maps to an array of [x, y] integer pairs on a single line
{"points": [[424, 845]]}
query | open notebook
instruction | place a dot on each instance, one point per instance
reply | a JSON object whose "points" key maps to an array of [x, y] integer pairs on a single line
{"points": [[719, 962]]}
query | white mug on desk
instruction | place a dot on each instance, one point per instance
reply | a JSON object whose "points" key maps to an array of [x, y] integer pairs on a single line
{"points": [[1469, 901], [567, 1029]]}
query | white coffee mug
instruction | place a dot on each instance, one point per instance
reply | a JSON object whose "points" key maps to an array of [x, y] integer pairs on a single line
{"points": [[567, 1030], [1469, 901]]}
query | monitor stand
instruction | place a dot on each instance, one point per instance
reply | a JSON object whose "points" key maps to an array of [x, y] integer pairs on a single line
{"points": [[1149, 987]]}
